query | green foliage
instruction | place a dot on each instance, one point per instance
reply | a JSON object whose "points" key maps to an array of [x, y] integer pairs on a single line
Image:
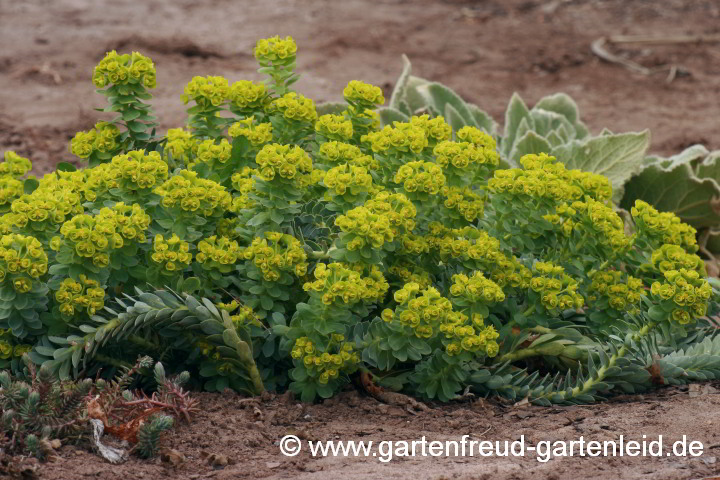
{"points": [[35, 413], [305, 246], [40, 412], [685, 184], [149, 434], [551, 126], [197, 331]]}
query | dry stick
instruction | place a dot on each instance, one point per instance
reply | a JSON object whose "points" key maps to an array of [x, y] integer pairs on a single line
{"points": [[391, 398], [598, 48], [653, 40]]}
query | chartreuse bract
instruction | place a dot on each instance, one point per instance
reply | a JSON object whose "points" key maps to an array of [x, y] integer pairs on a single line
{"points": [[266, 245]]}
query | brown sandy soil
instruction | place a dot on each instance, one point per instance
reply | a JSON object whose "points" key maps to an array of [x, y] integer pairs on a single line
{"points": [[483, 49], [247, 432]]}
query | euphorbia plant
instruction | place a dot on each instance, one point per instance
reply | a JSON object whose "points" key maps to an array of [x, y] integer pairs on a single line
{"points": [[266, 246]]}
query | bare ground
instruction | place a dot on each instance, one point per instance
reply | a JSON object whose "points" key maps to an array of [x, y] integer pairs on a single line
{"points": [[483, 49], [248, 432]]}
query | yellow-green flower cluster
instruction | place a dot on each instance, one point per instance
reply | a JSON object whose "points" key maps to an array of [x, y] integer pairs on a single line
{"points": [[473, 337], [562, 219], [424, 311], [6, 224], [462, 155], [508, 271], [102, 138], [581, 183], [22, 259], [275, 49], [344, 284], [378, 221], [674, 257], [363, 94], [287, 161], [601, 222], [257, 135], [334, 127], [468, 203], [430, 314], [247, 95], [348, 179], [436, 129], [535, 183], [85, 295], [45, 208], [62, 184], [326, 366], [420, 176], [408, 272], [663, 227], [14, 165], [186, 191], [123, 69], [557, 290], [211, 89], [133, 171], [413, 244], [338, 152], [295, 107], [622, 294], [543, 177], [476, 289], [171, 255], [214, 154], [10, 189], [477, 137], [181, 146], [217, 252], [397, 207], [277, 253], [227, 227], [688, 292], [7, 347], [471, 244], [399, 139], [364, 119], [242, 183], [244, 316], [97, 236]]}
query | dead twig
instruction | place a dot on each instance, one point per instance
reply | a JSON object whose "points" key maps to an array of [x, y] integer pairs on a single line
{"points": [[391, 398], [483, 433], [598, 48], [44, 71], [655, 40]]}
